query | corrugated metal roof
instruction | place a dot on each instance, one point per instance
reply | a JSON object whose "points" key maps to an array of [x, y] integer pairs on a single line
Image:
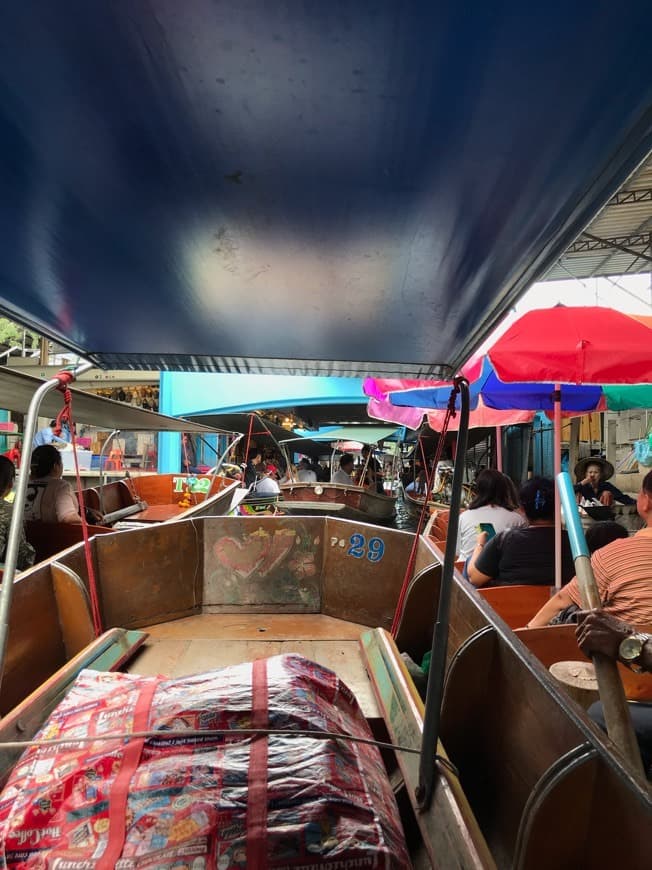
{"points": [[626, 220]]}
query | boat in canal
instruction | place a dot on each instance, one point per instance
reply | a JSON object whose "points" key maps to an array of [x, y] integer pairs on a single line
{"points": [[278, 190]]}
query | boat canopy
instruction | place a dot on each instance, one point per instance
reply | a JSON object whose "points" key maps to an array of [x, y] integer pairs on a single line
{"points": [[304, 188], [17, 390], [360, 434]]}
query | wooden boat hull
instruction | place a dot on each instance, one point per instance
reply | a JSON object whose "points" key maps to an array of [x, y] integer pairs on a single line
{"points": [[166, 497], [333, 499], [221, 590], [414, 504]]}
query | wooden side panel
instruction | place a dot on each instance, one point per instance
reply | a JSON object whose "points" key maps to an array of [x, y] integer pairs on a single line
{"points": [[150, 575], [49, 539], [364, 571], [263, 563], [327, 492], [35, 645], [503, 730], [114, 495], [449, 829], [169, 488], [73, 608]]}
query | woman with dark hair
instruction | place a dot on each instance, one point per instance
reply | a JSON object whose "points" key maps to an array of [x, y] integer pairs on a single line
{"points": [[49, 498], [25, 551], [495, 503], [524, 555]]}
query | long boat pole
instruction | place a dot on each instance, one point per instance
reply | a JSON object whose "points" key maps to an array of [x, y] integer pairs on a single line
{"points": [[437, 670], [15, 529], [612, 694]]}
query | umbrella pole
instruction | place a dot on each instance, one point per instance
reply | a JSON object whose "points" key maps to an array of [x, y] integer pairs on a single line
{"points": [[499, 448], [612, 694], [557, 460]]}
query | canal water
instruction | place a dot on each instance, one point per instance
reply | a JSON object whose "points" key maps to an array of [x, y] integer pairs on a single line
{"points": [[403, 520]]}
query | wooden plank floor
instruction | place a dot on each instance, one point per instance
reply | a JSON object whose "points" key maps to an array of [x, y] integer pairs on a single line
{"points": [[200, 643]]}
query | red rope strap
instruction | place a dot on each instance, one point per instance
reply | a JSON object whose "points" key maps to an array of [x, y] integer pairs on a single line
{"points": [[65, 416], [430, 478]]}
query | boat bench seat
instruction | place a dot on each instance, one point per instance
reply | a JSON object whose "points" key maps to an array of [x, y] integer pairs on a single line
{"points": [[557, 643], [517, 604], [48, 539], [437, 526], [115, 496]]}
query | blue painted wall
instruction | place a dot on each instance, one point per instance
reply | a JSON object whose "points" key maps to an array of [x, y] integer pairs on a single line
{"points": [[183, 393]]}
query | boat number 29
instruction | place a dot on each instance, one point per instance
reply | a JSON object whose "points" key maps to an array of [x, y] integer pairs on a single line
{"points": [[359, 547]]}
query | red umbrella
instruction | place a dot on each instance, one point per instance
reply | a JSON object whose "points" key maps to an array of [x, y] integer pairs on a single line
{"points": [[574, 345]]}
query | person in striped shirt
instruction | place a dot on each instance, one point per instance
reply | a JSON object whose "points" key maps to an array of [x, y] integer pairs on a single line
{"points": [[623, 572]]}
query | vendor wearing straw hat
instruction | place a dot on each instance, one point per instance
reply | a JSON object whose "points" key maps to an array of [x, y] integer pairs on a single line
{"points": [[592, 475]]}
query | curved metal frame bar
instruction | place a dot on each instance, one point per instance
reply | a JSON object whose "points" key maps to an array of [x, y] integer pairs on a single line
{"points": [[29, 430]]}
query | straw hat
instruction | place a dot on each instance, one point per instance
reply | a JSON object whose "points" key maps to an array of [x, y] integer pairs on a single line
{"points": [[606, 467]]}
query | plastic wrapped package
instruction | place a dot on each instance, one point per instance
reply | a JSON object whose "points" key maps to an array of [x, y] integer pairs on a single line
{"points": [[196, 802]]}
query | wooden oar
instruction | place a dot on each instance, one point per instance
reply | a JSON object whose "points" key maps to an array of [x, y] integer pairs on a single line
{"points": [[612, 694]]}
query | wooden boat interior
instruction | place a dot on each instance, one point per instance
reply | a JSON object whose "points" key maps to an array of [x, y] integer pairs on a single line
{"points": [[161, 497], [236, 589], [154, 498]]}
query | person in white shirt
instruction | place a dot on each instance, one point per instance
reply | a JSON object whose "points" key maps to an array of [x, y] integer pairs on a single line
{"points": [[496, 502], [266, 485], [343, 474], [305, 474]]}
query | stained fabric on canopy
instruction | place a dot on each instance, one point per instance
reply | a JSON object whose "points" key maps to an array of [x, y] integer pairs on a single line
{"points": [[304, 188]]}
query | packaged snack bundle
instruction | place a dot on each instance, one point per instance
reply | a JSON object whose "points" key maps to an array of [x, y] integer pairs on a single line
{"points": [[174, 800]]}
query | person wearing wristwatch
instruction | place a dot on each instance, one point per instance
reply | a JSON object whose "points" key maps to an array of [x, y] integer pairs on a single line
{"points": [[599, 632]]}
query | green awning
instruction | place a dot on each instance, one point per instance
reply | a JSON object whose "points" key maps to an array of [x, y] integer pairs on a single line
{"points": [[625, 397]]}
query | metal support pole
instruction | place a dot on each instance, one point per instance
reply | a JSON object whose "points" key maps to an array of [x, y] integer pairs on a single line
{"points": [[437, 671], [29, 430], [557, 463]]}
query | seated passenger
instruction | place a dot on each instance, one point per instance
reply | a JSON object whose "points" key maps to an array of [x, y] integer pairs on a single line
{"points": [[598, 535], [25, 556], [266, 485], [622, 570], [343, 474], [495, 502], [374, 474], [592, 475], [524, 554], [305, 473], [49, 498]]}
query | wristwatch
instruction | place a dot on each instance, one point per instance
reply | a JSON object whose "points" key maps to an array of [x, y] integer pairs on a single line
{"points": [[631, 647]]}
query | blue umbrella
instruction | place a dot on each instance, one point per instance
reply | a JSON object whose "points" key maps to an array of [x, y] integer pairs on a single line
{"points": [[505, 397]]}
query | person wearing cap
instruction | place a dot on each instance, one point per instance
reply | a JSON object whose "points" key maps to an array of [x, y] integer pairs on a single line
{"points": [[592, 475]]}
